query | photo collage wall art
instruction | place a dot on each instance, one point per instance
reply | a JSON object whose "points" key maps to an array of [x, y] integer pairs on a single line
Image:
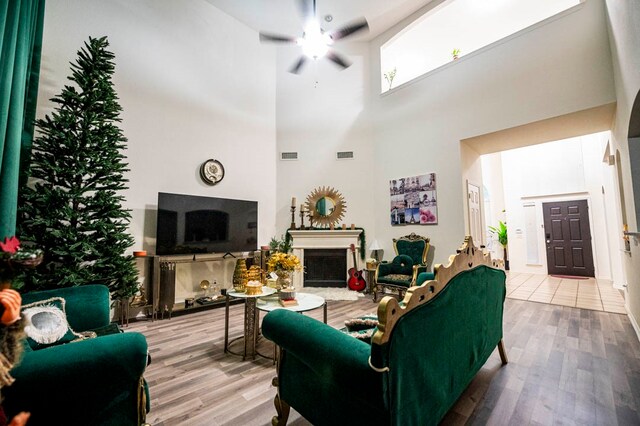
{"points": [[414, 200]]}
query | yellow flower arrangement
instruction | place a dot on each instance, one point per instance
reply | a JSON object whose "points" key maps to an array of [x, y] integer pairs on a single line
{"points": [[284, 262]]}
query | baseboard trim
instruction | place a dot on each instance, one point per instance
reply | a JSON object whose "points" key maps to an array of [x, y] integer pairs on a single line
{"points": [[619, 286], [634, 323]]}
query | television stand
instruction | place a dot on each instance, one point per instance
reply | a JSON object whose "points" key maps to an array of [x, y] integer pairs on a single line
{"points": [[164, 275]]}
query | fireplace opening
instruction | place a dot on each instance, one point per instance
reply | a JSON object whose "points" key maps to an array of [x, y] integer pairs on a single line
{"points": [[325, 268]]}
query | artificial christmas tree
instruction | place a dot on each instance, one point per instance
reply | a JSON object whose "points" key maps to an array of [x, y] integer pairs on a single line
{"points": [[72, 207]]}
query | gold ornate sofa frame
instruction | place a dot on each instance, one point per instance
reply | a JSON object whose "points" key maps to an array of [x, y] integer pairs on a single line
{"points": [[390, 309]]}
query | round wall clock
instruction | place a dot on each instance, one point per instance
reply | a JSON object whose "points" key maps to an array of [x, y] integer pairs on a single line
{"points": [[212, 171]]}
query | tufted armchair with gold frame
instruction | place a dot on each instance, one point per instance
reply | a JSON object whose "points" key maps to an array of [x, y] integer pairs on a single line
{"points": [[402, 272]]}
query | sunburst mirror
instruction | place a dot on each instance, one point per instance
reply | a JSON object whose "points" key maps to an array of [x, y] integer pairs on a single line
{"points": [[326, 205]]}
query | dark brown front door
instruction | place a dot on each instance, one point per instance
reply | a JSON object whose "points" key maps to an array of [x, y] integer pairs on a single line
{"points": [[568, 238]]}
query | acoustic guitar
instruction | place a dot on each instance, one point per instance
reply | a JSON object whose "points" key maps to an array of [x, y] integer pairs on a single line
{"points": [[356, 282]]}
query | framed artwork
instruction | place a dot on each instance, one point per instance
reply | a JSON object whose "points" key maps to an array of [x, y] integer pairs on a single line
{"points": [[414, 200]]}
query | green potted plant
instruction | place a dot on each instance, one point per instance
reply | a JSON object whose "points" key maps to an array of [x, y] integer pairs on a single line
{"points": [[455, 53], [282, 245], [501, 233], [389, 76]]}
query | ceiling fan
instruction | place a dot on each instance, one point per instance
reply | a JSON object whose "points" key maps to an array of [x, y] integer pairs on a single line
{"points": [[315, 41]]}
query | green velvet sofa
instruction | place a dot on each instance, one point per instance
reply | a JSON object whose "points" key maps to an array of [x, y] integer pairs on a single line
{"points": [[96, 381], [426, 350]]}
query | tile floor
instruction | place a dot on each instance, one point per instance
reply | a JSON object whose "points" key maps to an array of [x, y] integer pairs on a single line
{"points": [[587, 293]]}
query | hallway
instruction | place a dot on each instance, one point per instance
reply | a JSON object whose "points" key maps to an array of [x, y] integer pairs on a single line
{"points": [[587, 293]]}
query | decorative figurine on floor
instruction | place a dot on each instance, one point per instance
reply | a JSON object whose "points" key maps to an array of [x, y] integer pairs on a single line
{"points": [[140, 299], [12, 258], [11, 335]]}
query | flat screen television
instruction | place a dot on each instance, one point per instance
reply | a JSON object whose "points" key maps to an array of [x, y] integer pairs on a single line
{"points": [[190, 224]]}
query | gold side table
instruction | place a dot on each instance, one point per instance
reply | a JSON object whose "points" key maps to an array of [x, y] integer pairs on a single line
{"points": [[251, 319], [371, 278]]}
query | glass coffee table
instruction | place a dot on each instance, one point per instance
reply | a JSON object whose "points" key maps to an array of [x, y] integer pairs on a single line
{"points": [[267, 301], [306, 302]]}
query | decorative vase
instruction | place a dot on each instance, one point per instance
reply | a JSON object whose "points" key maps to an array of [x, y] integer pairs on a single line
{"points": [[284, 279], [240, 275], [254, 273]]}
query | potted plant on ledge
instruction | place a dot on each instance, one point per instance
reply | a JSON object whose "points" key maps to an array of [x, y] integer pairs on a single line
{"points": [[501, 233]]}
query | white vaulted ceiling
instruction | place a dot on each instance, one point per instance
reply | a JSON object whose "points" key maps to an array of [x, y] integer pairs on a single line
{"points": [[283, 17]]}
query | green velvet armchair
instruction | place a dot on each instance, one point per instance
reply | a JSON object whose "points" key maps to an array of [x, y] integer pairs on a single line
{"points": [[96, 381], [402, 272], [425, 352]]}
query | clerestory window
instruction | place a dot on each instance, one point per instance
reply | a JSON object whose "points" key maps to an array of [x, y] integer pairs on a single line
{"points": [[456, 28]]}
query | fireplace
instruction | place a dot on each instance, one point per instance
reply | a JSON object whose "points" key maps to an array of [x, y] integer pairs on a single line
{"points": [[330, 250], [325, 268]]}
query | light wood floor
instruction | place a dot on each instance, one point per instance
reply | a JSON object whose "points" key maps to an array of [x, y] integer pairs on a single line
{"points": [[587, 293], [567, 366]]}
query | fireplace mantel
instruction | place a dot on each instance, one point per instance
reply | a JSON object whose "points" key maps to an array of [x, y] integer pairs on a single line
{"points": [[324, 239]]}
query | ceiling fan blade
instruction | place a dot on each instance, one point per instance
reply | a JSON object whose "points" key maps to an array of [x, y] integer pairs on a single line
{"points": [[298, 65], [338, 59], [277, 38], [349, 29], [307, 9]]}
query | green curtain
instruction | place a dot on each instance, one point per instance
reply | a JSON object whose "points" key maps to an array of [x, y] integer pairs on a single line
{"points": [[21, 23]]}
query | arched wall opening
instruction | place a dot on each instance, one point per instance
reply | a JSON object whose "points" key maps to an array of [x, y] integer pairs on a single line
{"points": [[576, 125], [634, 154]]}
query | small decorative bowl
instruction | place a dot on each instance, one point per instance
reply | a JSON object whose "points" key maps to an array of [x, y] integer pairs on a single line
{"points": [[253, 288]]}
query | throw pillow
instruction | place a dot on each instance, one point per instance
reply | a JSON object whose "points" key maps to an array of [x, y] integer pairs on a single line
{"points": [[362, 328], [364, 335], [46, 324], [362, 323]]}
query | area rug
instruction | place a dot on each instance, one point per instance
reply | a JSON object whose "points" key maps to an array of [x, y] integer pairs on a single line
{"points": [[332, 293], [569, 277]]}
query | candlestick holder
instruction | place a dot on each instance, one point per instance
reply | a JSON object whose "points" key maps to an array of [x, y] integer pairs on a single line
{"points": [[302, 213], [293, 218]]}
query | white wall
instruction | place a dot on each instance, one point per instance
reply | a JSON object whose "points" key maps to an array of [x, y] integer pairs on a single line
{"points": [[559, 67], [321, 111], [624, 36], [556, 171], [194, 84], [494, 204]]}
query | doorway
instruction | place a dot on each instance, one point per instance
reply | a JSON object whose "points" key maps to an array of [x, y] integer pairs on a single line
{"points": [[568, 238], [475, 219]]}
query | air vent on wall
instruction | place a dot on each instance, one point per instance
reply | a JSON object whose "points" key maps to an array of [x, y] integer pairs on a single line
{"points": [[288, 155], [344, 155]]}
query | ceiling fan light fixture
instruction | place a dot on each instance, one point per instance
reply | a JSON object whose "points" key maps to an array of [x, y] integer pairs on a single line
{"points": [[315, 43]]}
